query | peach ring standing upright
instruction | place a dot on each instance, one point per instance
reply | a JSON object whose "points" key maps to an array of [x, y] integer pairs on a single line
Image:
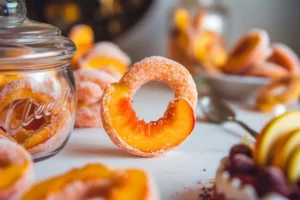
{"points": [[155, 138]]}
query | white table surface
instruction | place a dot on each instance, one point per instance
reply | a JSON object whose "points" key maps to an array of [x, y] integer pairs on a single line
{"points": [[176, 173]]}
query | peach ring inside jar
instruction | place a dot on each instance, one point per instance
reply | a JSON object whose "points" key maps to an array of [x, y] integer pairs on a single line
{"points": [[281, 91], [155, 138], [95, 181], [16, 169], [32, 117]]}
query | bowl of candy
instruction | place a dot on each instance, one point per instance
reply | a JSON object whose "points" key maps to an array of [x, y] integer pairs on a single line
{"points": [[235, 74]]}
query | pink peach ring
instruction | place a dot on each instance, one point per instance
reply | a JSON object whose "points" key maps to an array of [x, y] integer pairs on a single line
{"points": [[154, 138], [16, 170], [284, 56]]}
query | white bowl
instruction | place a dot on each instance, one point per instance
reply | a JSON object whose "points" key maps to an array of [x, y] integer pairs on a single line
{"points": [[233, 87]]}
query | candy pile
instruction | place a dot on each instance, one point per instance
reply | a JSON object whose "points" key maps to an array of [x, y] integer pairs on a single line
{"points": [[253, 55], [35, 112], [199, 50], [192, 45], [95, 66]]}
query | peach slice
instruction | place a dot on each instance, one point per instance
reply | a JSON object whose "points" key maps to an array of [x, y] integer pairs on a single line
{"points": [[251, 48], [284, 149], [83, 37], [182, 19], [138, 137], [293, 170], [94, 181], [16, 170], [273, 132], [105, 63], [285, 57]]}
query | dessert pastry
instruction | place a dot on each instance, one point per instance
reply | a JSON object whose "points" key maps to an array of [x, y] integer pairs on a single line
{"points": [[284, 56], [251, 48], [282, 91], [155, 138], [16, 169], [90, 85], [267, 171], [95, 181]]}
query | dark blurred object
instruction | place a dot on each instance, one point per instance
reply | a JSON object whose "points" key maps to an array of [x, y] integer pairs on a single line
{"points": [[108, 18]]}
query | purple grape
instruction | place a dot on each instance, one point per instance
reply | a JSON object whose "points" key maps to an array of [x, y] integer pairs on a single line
{"points": [[273, 180], [240, 149], [241, 163], [294, 195]]}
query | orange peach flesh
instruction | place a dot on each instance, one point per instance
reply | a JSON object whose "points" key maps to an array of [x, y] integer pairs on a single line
{"points": [[13, 166], [116, 184], [156, 136], [36, 132], [241, 57], [104, 63]]}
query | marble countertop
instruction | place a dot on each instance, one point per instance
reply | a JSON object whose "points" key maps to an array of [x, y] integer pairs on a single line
{"points": [[178, 173]]}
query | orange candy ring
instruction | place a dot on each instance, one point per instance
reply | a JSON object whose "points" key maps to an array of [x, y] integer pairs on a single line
{"points": [[155, 138], [83, 37], [284, 56], [44, 118], [95, 181], [268, 96], [268, 70], [16, 170], [252, 48]]}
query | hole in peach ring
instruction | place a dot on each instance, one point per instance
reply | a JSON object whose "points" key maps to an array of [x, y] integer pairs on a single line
{"points": [[151, 100]]}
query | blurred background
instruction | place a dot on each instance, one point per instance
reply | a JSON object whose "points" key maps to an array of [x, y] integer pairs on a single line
{"points": [[141, 27]]}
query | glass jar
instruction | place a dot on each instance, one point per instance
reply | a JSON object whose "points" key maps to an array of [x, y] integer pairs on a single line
{"points": [[196, 39], [37, 87]]}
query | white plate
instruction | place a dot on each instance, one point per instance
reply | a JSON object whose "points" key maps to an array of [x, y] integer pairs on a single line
{"points": [[233, 87]]}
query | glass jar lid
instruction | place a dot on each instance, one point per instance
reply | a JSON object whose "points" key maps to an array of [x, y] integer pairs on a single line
{"points": [[23, 40]]}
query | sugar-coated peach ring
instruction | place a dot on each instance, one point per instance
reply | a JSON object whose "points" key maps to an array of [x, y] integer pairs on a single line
{"points": [[267, 69], [281, 91], [16, 170], [83, 37], [109, 50], [90, 85], [107, 64], [95, 181], [251, 48], [284, 56], [88, 116], [31, 117], [91, 75], [155, 138]]}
